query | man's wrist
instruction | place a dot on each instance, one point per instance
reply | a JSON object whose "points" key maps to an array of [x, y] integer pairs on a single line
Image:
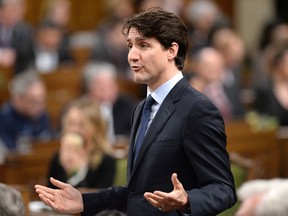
{"points": [[186, 207]]}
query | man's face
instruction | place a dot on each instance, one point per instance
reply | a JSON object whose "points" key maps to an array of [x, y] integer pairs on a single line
{"points": [[32, 102], [148, 59], [49, 38], [210, 66], [104, 88], [12, 12]]}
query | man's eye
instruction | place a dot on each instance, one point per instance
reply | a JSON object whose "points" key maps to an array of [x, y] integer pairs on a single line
{"points": [[144, 45], [129, 46]]}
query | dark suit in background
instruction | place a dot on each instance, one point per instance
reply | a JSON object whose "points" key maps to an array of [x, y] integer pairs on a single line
{"points": [[122, 109], [21, 42]]}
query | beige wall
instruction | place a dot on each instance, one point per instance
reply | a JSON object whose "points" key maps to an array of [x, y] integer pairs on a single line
{"points": [[250, 16]]}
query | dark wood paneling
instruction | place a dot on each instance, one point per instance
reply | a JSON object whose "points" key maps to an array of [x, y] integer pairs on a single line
{"points": [[85, 15]]}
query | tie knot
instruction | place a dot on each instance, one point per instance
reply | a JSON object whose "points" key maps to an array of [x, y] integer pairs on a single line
{"points": [[149, 102]]}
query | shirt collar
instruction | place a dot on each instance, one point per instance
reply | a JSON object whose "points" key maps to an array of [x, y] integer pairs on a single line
{"points": [[162, 91]]}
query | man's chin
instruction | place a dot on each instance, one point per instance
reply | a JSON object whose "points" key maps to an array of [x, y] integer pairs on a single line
{"points": [[139, 80]]}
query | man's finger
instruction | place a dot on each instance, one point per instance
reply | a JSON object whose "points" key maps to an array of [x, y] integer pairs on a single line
{"points": [[152, 201], [156, 203], [45, 194], [43, 198], [175, 181], [58, 183], [153, 196], [44, 190]]}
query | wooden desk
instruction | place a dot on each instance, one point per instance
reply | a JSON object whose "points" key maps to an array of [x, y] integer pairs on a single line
{"points": [[261, 147], [282, 136], [29, 169]]}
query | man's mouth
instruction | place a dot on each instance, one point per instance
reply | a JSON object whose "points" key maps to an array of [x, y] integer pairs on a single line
{"points": [[136, 68]]}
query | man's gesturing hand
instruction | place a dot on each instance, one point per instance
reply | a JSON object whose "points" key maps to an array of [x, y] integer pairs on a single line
{"points": [[175, 200], [66, 199]]}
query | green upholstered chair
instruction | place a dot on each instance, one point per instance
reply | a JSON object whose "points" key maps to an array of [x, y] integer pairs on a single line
{"points": [[121, 172]]}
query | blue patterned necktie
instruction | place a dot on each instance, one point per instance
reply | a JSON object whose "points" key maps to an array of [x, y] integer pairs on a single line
{"points": [[143, 124]]}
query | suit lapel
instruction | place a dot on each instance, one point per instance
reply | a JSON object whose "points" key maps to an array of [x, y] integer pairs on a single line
{"points": [[162, 116], [165, 111], [136, 120]]}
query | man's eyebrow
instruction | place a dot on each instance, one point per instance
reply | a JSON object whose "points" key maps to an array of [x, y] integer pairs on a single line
{"points": [[138, 38]]}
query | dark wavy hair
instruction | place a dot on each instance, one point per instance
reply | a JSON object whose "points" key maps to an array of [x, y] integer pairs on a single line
{"points": [[165, 26]]}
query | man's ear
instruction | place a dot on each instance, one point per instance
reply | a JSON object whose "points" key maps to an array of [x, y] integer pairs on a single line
{"points": [[172, 51]]}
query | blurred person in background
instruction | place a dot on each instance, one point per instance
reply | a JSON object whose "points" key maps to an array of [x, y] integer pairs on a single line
{"points": [[15, 36], [110, 46], [118, 9], [49, 54], [83, 159], [11, 202], [231, 47], [273, 99], [56, 11], [207, 78], [175, 7], [274, 35], [263, 198], [101, 85], [24, 118], [201, 17]]}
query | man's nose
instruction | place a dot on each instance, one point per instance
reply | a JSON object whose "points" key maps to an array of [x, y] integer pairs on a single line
{"points": [[133, 54]]}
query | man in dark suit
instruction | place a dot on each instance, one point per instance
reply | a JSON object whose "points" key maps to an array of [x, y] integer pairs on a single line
{"points": [[15, 36], [182, 166]]}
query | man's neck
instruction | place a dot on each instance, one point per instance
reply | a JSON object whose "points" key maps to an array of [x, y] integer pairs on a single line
{"points": [[165, 76]]}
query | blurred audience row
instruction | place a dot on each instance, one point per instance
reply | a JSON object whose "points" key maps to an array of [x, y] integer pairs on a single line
{"points": [[24, 118], [239, 82]]}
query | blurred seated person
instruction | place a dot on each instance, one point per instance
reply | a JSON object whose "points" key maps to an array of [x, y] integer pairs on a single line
{"points": [[57, 12], [83, 159], [11, 202], [231, 46], [273, 36], [263, 198], [117, 9], [202, 16], [48, 52], [110, 46], [175, 7], [273, 99], [101, 85], [15, 36], [207, 78], [24, 118]]}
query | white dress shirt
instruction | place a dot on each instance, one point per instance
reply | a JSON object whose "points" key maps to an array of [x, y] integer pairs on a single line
{"points": [[161, 92]]}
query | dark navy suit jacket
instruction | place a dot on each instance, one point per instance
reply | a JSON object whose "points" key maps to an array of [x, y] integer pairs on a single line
{"points": [[187, 137]]}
